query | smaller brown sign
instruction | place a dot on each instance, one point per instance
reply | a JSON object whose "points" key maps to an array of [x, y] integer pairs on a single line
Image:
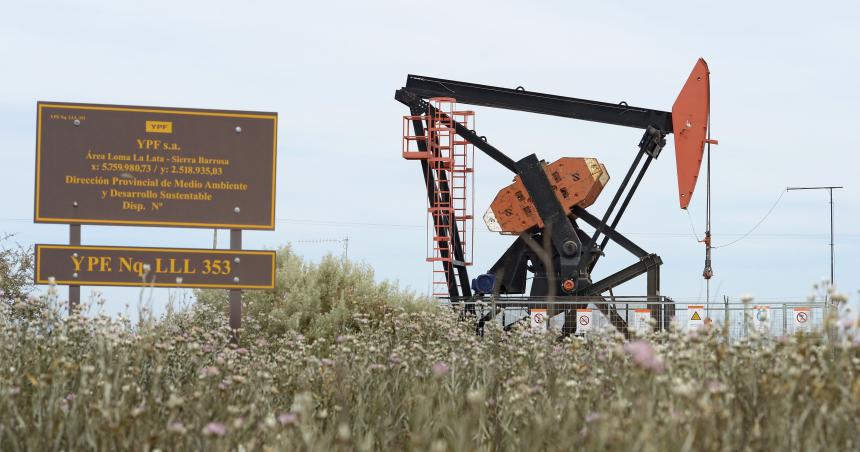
{"points": [[154, 267]]}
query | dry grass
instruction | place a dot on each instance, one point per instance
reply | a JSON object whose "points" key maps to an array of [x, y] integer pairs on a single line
{"points": [[393, 378]]}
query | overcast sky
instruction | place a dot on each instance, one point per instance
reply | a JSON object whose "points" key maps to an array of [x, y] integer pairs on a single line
{"points": [[784, 95]]}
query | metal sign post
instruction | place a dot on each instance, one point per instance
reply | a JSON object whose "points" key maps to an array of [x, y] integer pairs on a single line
{"points": [[235, 294], [74, 290]]}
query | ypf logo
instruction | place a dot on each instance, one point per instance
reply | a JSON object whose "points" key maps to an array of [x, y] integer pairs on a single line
{"points": [[159, 127]]}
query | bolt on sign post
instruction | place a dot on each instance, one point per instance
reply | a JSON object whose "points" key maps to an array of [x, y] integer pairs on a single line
{"points": [[584, 320], [695, 317], [153, 166], [761, 319], [539, 319], [802, 320], [641, 321]]}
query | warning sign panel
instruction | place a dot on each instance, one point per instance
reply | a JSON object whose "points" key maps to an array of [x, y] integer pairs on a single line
{"points": [[642, 321], [760, 319], [584, 320], [696, 317], [802, 320], [538, 319]]}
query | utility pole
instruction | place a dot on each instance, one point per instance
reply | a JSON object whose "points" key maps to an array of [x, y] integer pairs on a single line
{"points": [[832, 259]]}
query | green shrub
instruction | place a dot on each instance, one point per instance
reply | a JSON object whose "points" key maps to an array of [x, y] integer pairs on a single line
{"points": [[318, 300], [16, 271]]}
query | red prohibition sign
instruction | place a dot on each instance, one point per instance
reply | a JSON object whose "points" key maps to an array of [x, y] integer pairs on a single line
{"points": [[538, 318], [802, 317], [584, 320]]}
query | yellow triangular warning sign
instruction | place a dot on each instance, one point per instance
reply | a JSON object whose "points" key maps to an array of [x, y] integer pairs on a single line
{"points": [[695, 316]]}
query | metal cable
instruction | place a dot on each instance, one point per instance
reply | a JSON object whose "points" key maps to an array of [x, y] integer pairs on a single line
{"points": [[757, 224], [692, 226]]}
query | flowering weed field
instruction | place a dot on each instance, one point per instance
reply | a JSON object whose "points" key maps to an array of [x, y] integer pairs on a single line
{"points": [[332, 361]]}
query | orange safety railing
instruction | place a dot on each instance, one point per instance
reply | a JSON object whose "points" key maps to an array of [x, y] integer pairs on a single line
{"points": [[449, 160]]}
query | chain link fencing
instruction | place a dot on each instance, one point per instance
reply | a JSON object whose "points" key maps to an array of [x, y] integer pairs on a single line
{"points": [[639, 315]]}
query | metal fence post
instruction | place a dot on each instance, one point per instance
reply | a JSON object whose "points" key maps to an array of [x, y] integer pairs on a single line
{"points": [[784, 321]]}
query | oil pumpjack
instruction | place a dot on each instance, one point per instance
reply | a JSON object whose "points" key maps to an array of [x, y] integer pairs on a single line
{"points": [[546, 205]]}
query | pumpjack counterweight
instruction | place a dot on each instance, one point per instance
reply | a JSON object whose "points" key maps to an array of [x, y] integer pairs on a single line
{"points": [[546, 204]]}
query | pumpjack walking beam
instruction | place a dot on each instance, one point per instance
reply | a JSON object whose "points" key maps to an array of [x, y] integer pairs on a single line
{"points": [[519, 99]]}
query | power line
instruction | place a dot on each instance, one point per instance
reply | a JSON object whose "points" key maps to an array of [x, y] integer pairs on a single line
{"points": [[344, 241], [693, 233], [781, 194]]}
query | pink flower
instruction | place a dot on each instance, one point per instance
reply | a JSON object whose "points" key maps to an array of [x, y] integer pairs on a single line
{"points": [[440, 369], [211, 371], [288, 418], [327, 362], [593, 417], [176, 427], [215, 429], [644, 356], [716, 386]]}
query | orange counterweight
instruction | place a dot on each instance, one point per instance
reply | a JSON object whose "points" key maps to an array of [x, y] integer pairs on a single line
{"points": [[575, 181]]}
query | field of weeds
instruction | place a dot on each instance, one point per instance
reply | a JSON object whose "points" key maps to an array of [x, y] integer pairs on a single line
{"points": [[332, 361]]}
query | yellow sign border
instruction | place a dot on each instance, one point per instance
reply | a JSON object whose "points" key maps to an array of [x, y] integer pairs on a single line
{"points": [[40, 247], [39, 219]]}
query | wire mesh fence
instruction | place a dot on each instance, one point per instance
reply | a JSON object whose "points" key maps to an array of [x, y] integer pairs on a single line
{"points": [[633, 316]]}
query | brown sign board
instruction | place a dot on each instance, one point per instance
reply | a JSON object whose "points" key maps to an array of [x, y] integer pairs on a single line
{"points": [[153, 166], [154, 267]]}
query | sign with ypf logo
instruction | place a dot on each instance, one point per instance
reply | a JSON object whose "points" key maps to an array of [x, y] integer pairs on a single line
{"points": [[152, 166], [584, 320]]}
